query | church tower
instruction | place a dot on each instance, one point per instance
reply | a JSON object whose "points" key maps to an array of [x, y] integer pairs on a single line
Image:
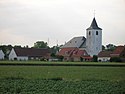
{"points": [[93, 38]]}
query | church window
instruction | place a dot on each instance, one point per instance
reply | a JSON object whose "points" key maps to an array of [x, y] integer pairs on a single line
{"points": [[89, 33], [96, 32]]}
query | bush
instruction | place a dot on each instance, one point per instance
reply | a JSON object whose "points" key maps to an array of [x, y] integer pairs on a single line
{"points": [[115, 59], [95, 58]]}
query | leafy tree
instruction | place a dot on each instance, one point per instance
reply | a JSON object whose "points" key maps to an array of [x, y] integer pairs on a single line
{"points": [[95, 58], [103, 47], [41, 44], [110, 47]]}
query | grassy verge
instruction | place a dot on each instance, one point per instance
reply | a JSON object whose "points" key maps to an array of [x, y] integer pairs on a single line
{"points": [[43, 62]]}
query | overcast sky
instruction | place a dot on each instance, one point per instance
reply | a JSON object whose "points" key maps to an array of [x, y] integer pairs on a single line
{"points": [[23, 22]]}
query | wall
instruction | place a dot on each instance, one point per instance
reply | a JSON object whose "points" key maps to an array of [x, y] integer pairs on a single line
{"points": [[1, 55], [104, 59]]}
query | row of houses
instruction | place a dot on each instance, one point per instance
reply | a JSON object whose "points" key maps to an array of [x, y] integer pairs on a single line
{"points": [[27, 54], [119, 52], [69, 54]]}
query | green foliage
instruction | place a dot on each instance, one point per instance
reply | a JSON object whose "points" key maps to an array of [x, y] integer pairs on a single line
{"points": [[110, 47], [115, 59], [95, 58], [38, 86], [103, 47], [61, 80], [41, 44], [65, 72]]}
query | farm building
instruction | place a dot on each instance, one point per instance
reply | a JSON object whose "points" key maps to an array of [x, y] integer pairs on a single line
{"points": [[86, 47], [29, 54], [104, 56], [1, 55]]}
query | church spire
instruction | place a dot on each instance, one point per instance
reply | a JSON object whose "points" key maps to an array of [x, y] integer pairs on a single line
{"points": [[94, 25]]}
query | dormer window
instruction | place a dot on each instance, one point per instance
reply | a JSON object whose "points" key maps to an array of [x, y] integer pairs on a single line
{"points": [[96, 32]]}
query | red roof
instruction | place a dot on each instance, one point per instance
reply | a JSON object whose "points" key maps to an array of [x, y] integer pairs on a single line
{"points": [[78, 53], [118, 50], [66, 51], [74, 52], [104, 54]]}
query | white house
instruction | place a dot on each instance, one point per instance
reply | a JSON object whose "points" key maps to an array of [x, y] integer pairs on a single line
{"points": [[104, 56], [1, 55], [28, 53]]}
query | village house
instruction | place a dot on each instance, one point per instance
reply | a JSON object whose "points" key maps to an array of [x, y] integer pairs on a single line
{"points": [[1, 55], [74, 54], [81, 48], [104, 56], [119, 52], [29, 54]]}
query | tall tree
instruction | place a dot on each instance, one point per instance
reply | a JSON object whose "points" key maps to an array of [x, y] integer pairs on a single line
{"points": [[41, 44]]}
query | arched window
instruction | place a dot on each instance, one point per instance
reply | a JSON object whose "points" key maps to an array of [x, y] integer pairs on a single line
{"points": [[96, 32]]}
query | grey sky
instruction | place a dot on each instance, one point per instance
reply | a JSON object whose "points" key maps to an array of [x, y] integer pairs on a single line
{"points": [[23, 22]]}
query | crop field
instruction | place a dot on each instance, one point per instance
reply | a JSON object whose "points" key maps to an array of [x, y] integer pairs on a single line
{"points": [[61, 79]]}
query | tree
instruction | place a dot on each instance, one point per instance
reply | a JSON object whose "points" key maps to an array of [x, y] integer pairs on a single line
{"points": [[110, 47], [103, 47], [41, 44], [95, 58]]}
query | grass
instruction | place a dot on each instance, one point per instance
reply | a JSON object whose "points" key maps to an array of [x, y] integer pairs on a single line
{"points": [[65, 72], [43, 62], [61, 79]]}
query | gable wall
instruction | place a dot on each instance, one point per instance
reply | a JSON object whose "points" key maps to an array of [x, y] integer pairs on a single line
{"points": [[1, 55]]}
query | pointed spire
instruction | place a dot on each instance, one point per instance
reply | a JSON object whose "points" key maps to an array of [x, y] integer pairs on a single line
{"points": [[94, 25]]}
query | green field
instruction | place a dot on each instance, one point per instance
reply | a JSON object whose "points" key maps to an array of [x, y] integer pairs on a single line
{"points": [[61, 79]]}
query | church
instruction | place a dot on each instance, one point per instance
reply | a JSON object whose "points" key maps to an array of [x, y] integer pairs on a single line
{"points": [[83, 48]]}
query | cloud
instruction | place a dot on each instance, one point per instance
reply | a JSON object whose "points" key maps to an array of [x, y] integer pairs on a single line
{"points": [[32, 20]]}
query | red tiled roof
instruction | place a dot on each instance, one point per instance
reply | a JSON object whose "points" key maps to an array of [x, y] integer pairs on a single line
{"points": [[78, 53], [74, 52], [31, 52], [66, 51], [119, 50], [104, 54]]}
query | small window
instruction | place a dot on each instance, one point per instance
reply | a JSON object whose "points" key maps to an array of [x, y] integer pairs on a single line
{"points": [[89, 33], [96, 32]]}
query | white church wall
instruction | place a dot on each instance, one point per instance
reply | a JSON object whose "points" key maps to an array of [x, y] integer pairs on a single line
{"points": [[94, 42]]}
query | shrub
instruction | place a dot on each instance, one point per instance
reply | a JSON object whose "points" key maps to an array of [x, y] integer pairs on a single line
{"points": [[115, 59]]}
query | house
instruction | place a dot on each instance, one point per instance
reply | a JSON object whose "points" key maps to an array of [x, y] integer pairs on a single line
{"points": [[104, 56], [29, 54], [74, 54], [1, 55], [91, 45], [119, 52]]}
